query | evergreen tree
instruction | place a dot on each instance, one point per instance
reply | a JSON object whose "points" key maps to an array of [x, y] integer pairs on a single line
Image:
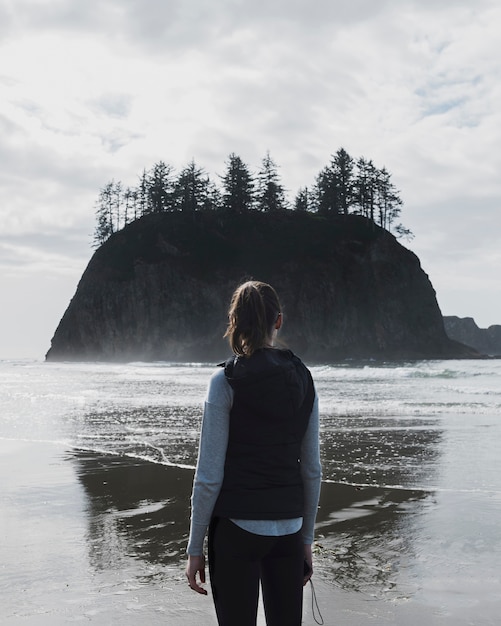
{"points": [[342, 167], [334, 185], [388, 201], [130, 197], [389, 205], [326, 192], [238, 186], [303, 201], [104, 214], [160, 188], [270, 193], [403, 232], [142, 205], [191, 189], [117, 201], [364, 188], [214, 197]]}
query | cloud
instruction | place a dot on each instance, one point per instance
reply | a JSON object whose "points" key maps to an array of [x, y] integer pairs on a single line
{"points": [[93, 91], [39, 254], [156, 77]]}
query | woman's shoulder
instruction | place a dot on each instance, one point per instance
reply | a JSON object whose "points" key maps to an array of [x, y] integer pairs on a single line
{"points": [[219, 391], [217, 376]]}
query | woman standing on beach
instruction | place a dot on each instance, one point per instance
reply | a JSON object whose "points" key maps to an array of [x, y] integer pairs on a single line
{"points": [[257, 481]]}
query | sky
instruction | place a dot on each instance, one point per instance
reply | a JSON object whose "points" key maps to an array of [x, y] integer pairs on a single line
{"points": [[97, 91]]}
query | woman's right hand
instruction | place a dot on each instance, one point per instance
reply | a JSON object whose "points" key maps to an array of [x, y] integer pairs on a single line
{"points": [[196, 564]]}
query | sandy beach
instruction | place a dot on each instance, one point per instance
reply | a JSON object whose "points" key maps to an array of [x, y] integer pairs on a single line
{"points": [[99, 539]]}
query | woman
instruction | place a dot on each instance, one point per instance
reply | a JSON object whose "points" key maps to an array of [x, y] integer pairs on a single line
{"points": [[257, 481]]}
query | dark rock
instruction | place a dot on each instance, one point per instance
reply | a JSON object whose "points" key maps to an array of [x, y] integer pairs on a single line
{"points": [[159, 290], [465, 330]]}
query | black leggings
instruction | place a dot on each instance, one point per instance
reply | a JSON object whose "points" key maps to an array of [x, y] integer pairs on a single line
{"points": [[238, 560]]}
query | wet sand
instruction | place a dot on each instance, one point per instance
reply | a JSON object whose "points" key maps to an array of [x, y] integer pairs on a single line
{"points": [[89, 538]]}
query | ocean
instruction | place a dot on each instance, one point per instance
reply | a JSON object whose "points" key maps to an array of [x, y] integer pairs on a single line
{"points": [[97, 462]]}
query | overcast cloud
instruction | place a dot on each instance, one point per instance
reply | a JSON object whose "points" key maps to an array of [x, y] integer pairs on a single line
{"points": [[91, 91]]}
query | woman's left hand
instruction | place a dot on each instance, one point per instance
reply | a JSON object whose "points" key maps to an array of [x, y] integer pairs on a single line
{"points": [[308, 559]]}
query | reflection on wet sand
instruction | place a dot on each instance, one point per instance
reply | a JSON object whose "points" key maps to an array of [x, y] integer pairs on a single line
{"points": [[135, 509], [381, 451], [140, 510], [366, 537], [371, 504]]}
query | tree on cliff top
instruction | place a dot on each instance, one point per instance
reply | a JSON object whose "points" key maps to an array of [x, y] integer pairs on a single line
{"points": [[160, 188], [303, 200], [270, 193], [238, 185], [334, 185], [107, 212], [342, 165], [192, 190]]}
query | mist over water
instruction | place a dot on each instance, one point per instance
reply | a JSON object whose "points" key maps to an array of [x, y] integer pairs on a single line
{"points": [[411, 498]]}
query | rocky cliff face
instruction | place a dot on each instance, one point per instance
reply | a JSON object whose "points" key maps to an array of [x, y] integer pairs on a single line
{"points": [[159, 290], [465, 330]]}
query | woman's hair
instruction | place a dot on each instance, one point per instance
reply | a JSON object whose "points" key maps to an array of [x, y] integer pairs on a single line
{"points": [[253, 313]]}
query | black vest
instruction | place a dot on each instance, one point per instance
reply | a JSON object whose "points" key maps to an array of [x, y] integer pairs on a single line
{"points": [[273, 399]]}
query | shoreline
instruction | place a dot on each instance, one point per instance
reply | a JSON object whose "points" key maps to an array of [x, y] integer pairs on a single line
{"points": [[94, 538]]}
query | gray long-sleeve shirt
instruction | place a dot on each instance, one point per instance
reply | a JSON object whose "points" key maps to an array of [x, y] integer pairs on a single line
{"points": [[210, 471]]}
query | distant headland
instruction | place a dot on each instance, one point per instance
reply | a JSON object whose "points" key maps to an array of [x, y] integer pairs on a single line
{"points": [[464, 329], [158, 289]]}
